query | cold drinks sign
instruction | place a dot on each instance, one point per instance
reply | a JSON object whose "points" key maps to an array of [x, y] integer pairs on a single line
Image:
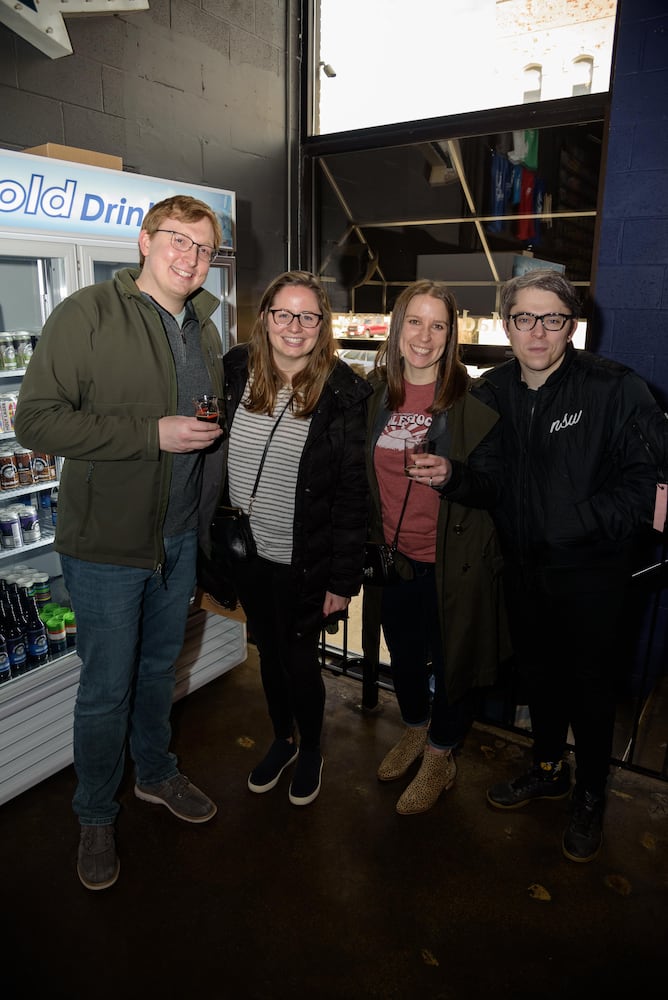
{"points": [[39, 194]]}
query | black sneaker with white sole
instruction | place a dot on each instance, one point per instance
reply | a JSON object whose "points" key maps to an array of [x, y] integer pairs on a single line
{"points": [[265, 776], [305, 785]]}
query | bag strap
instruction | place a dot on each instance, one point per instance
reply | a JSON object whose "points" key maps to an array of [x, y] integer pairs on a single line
{"points": [[264, 453], [401, 516]]}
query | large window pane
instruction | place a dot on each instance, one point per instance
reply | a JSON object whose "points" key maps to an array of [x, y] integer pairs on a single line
{"points": [[460, 210], [380, 62]]}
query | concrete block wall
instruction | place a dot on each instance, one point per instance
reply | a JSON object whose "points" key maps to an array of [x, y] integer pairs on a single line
{"points": [[631, 279], [192, 90]]}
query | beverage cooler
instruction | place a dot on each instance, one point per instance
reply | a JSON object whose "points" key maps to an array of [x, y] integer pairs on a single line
{"points": [[64, 225]]}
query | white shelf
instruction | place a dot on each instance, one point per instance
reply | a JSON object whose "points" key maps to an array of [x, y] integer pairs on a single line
{"points": [[44, 542], [21, 491]]}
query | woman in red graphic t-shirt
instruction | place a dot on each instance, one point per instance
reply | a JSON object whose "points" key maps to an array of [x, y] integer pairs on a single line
{"points": [[444, 623]]}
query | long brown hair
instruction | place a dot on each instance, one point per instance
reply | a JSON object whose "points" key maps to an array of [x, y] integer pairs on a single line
{"points": [[452, 378], [307, 384]]}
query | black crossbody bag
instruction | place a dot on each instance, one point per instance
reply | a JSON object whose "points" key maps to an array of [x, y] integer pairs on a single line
{"points": [[231, 533], [380, 559]]}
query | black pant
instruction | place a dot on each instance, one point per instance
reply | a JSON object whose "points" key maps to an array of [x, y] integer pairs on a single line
{"points": [[412, 631], [289, 662], [567, 627]]}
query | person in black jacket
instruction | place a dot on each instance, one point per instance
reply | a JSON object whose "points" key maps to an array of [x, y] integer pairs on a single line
{"points": [[308, 514], [570, 483]]}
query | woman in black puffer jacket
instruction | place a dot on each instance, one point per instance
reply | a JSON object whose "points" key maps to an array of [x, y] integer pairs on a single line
{"points": [[309, 512]]}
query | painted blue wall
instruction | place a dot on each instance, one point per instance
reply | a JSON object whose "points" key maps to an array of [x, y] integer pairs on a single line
{"points": [[631, 278]]}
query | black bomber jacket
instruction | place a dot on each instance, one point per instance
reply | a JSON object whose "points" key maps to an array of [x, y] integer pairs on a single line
{"points": [[566, 472]]}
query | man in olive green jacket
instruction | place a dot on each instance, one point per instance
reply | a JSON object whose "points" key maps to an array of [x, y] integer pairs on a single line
{"points": [[110, 387]]}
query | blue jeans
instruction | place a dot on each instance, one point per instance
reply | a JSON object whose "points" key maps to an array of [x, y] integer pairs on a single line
{"points": [[130, 628], [410, 619]]}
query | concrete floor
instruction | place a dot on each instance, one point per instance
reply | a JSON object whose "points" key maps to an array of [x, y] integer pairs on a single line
{"points": [[343, 898]]}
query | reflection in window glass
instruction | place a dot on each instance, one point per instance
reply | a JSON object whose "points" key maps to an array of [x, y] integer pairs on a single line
{"points": [[377, 65]]}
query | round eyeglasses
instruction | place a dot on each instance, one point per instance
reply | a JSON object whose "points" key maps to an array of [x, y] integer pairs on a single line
{"points": [[283, 317], [183, 243], [552, 322]]}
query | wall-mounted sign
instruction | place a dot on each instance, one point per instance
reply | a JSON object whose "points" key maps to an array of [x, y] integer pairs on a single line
{"points": [[39, 194]]}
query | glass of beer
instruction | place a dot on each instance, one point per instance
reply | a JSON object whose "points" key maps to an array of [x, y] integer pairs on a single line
{"points": [[206, 408]]}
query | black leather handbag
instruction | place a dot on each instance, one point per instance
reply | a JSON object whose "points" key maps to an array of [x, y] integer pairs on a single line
{"points": [[232, 538], [380, 559], [380, 569], [232, 535]]}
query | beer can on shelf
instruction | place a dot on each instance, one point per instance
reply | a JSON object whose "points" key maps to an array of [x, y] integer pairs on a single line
{"points": [[9, 474], [24, 460], [42, 588], [29, 520], [7, 352], [8, 402], [23, 347], [10, 529], [43, 467]]}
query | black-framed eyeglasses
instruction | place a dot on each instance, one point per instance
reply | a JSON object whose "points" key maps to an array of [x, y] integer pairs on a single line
{"points": [[552, 322], [183, 243], [283, 317]]}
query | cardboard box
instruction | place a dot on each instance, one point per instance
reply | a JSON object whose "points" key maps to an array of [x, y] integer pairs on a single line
{"points": [[75, 155], [207, 603]]}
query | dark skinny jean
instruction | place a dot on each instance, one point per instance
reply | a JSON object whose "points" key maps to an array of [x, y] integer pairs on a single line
{"points": [[289, 662], [567, 635], [410, 623]]}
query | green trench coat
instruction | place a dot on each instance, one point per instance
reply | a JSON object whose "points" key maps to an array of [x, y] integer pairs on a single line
{"points": [[474, 628]]}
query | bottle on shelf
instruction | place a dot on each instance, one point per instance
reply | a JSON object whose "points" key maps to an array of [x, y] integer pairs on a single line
{"points": [[54, 505], [5, 665], [14, 638], [14, 595], [36, 637]]}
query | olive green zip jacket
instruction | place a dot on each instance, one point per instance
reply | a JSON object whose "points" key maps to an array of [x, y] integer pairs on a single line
{"points": [[101, 377]]}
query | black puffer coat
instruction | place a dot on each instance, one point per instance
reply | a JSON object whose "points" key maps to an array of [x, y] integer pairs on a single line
{"points": [[331, 500]]}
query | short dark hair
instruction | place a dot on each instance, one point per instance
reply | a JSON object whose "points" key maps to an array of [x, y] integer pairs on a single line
{"points": [[545, 279]]}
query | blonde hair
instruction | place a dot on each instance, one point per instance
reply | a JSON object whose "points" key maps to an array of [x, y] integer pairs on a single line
{"points": [[452, 377], [185, 209], [307, 384]]}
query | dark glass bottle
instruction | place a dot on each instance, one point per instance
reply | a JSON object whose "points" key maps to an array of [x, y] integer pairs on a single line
{"points": [[15, 640], [5, 665], [14, 599], [36, 639]]}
